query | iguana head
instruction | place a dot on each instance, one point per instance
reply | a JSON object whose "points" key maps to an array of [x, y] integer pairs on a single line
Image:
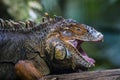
{"points": [[73, 34], [72, 30]]}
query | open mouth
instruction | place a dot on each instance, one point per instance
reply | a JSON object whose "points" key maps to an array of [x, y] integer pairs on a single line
{"points": [[77, 44]]}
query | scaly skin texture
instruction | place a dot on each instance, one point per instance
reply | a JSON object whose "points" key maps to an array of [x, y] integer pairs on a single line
{"points": [[30, 51]]}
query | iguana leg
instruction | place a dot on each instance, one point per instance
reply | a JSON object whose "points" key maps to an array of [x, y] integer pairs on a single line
{"points": [[27, 71]]}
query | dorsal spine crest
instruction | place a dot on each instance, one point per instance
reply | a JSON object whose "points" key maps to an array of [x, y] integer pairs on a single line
{"points": [[10, 25], [28, 26]]}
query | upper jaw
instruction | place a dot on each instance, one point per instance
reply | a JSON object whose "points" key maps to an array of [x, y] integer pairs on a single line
{"points": [[98, 37]]}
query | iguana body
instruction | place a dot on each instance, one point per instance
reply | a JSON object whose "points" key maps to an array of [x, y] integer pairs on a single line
{"points": [[44, 48]]}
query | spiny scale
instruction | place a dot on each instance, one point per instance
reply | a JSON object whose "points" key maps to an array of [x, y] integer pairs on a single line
{"points": [[19, 26], [47, 18], [15, 25]]}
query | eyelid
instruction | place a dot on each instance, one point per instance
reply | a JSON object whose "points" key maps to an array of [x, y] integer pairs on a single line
{"points": [[66, 33], [78, 29], [66, 28]]}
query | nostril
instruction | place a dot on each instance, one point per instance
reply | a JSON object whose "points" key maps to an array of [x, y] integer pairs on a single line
{"points": [[100, 37]]}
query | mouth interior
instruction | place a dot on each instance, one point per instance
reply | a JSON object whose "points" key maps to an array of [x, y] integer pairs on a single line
{"points": [[77, 45]]}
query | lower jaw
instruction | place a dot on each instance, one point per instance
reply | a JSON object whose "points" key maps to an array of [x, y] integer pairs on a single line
{"points": [[77, 67], [83, 53], [80, 69], [77, 45]]}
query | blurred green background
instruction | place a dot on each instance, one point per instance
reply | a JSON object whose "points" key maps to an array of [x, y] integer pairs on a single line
{"points": [[103, 15]]}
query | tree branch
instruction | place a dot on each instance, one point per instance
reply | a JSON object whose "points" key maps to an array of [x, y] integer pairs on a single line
{"points": [[92, 75]]}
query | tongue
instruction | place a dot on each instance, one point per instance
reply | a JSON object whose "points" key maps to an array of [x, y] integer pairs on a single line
{"points": [[89, 59], [85, 56]]}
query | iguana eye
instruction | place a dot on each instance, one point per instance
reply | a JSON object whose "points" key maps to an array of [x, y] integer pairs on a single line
{"points": [[60, 52], [66, 33], [78, 29]]}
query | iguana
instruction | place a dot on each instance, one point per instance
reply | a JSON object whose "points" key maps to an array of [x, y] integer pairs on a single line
{"points": [[30, 51]]}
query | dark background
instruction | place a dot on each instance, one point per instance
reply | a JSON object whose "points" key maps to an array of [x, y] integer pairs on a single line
{"points": [[103, 15]]}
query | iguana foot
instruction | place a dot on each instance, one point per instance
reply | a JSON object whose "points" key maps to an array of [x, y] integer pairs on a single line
{"points": [[27, 71]]}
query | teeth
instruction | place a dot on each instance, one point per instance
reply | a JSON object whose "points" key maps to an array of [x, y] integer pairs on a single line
{"points": [[93, 65], [82, 62], [85, 64], [89, 65], [73, 43]]}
